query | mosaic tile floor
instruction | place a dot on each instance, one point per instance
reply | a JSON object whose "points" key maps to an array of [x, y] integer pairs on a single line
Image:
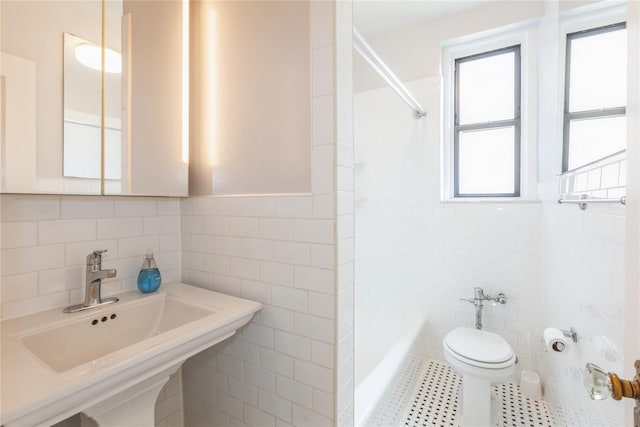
{"points": [[425, 394]]}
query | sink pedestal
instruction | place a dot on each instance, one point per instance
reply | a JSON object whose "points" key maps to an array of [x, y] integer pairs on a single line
{"points": [[133, 407]]}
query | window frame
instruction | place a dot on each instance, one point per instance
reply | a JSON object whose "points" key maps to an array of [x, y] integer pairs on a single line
{"points": [[568, 116], [515, 121]]}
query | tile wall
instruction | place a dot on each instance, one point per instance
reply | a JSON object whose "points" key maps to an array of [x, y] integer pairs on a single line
{"points": [[420, 254], [290, 253], [45, 241]]}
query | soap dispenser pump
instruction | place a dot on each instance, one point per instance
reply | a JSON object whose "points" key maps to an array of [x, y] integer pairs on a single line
{"points": [[149, 278]]}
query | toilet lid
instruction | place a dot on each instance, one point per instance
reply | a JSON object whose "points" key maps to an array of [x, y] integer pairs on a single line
{"points": [[478, 345]]}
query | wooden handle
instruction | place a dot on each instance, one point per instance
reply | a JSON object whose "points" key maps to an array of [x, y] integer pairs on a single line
{"points": [[626, 388]]}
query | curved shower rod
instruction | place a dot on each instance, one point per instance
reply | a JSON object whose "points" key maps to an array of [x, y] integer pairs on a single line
{"points": [[367, 53]]}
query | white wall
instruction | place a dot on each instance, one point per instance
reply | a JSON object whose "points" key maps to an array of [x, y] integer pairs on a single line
{"points": [[557, 265], [414, 252]]}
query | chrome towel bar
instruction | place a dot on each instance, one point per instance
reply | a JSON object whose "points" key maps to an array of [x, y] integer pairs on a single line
{"points": [[584, 200]]}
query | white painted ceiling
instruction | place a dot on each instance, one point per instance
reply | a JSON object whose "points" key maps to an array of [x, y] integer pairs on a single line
{"points": [[373, 18]]}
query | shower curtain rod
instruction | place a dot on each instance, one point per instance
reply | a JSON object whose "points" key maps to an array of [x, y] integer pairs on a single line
{"points": [[371, 57]]}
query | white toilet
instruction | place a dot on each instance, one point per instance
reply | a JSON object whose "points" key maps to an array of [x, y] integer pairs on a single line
{"points": [[483, 359]]}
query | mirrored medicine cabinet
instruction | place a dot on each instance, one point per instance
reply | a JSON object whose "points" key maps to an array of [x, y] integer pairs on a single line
{"points": [[75, 121]]}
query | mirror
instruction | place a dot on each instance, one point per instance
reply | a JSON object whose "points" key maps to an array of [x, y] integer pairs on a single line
{"points": [[53, 116], [82, 107]]}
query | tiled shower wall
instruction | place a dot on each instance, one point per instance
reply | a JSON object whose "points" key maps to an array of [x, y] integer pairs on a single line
{"points": [[419, 253], [45, 241]]}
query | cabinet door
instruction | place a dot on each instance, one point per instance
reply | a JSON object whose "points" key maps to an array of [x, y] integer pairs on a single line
{"points": [[154, 156]]}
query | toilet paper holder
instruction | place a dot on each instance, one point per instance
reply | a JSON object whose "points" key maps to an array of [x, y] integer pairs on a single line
{"points": [[571, 333]]}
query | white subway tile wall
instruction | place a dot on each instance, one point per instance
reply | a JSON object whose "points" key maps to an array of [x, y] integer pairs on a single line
{"points": [[559, 266], [414, 252], [279, 368], [45, 241]]}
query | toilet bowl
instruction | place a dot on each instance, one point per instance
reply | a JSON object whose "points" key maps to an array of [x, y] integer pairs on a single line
{"points": [[483, 359]]}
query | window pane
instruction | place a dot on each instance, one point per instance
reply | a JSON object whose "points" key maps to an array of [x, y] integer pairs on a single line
{"points": [[486, 161], [486, 89], [593, 139], [598, 71]]}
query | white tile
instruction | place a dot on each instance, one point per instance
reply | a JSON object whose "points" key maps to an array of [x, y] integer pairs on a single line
{"points": [[610, 175], [245, 351], [161, 225], [244, 227], [231, 206], [314, 327], [229, 365], [294, 392], [61, 279], [276, 362], [292, 253], [259, 206], [272, 404], [322, 305], [323, 206], [258, 334], [25, 260], [276, 273], [322, 169], [294, 207], [18, 234], [259, 249], [224, 245], [256, 417], [87, 207], [32, 305], [277, 318], [63, 231], [323, 120], [345, 178], [245, 268], [323, 403], [276, 228], [292, 345], [313, 375], [314, 279], [137, 246], [256, 291], [29, 208], [322, 256], [134, 207], [202, 206], [289, 298], [242, 391], [168, 207], [314, 230], [76, 253], [18, 287], [260, 377], [322, 354], [111, 228], [306, 417]]}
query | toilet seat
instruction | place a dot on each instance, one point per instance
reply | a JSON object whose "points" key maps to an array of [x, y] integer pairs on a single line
{"points": [[479, 348]]}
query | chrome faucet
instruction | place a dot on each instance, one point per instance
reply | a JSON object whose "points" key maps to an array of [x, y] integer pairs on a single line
{"points": [[478, 299], [93, 285]]}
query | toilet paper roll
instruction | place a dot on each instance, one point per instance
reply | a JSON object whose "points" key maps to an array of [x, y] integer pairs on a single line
{"points": [[555, 340]]}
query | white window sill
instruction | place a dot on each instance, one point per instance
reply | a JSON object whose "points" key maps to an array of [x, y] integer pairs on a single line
{"points": [[489, 200]]}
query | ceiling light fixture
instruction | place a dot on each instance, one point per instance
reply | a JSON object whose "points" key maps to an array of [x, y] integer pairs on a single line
{"points": [[89, 55]]}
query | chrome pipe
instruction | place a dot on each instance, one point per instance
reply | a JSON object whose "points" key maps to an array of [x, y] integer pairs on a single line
{"points": [[367, 53], [584, 200]]}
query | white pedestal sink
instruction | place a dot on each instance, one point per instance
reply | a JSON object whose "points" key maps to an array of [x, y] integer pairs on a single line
{"points": [[110, 362]]}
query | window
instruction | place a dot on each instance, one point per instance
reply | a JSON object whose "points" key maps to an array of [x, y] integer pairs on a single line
{"points": [[486, 152], [595, 95]]}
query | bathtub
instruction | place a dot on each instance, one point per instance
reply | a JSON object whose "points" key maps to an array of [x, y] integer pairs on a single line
{"points": [[381, 346]]}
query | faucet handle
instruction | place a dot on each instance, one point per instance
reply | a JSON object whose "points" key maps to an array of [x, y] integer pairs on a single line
{"points": [[471, 300], [95, 257]]}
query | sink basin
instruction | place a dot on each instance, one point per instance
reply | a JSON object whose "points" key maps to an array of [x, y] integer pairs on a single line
{"points": [[55, 364]]}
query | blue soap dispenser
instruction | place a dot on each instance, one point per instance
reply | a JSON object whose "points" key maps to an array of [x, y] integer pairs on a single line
{"points": [[149, 278]]}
